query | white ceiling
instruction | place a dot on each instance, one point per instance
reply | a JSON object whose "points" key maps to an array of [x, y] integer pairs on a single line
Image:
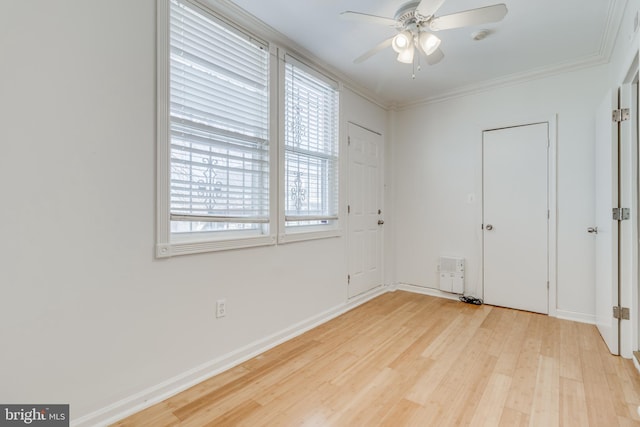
{"points": [[535, 36]]}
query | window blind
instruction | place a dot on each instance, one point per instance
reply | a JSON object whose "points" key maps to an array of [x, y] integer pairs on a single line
{"points": [[219, 108], [311, 147]]}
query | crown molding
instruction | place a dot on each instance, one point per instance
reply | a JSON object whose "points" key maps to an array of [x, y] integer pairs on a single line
{"points": [[615, 14], [237, 16], [509, 80], [610, 35]]}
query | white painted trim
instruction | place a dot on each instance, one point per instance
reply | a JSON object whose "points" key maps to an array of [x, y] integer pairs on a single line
{"points": [[416, 289], [348, 166], [370, 294], [629, 231], [172, 386], [560, 314], [508, 80], [159, 392], [552, 178], [615, 13], [163, 248], [553, 215], [167, 245], [311, 232], [576, 317]]}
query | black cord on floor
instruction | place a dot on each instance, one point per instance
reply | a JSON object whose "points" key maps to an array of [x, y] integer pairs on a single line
{"points": [[471, 300]]}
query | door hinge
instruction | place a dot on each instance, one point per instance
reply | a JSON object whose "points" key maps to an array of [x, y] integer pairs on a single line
{"points": [[348, 140], [348, 279], [348, 209], [547, 285], [621, 313], [621, 115], [620, 214]]}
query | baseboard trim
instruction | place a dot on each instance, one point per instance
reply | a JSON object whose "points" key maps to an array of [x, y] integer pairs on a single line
{"points": [[156, 394], [426, 291], [576, 317], [560, 314]]}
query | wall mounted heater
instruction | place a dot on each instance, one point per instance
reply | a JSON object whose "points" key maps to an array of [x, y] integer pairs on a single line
{"points": [[452, 275]]}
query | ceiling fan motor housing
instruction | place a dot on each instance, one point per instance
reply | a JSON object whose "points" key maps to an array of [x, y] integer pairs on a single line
{"points": [[408, 15]]}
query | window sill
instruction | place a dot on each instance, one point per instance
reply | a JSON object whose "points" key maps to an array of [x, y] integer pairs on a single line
{"points": [[309, 235], [167, 250]]}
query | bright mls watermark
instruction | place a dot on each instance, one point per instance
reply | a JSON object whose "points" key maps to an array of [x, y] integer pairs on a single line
{"points": [[34, 415]]}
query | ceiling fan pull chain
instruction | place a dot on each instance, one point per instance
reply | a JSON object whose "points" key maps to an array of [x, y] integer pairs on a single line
{"points": [[413, 64]]}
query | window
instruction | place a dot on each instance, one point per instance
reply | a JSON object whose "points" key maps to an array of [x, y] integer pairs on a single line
{"points": [[310, 149], [218, 130], [223, 98]]}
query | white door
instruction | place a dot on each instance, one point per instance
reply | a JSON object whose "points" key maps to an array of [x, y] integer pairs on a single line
{"points": [[607, 237], [516, 217], [364, 210]]}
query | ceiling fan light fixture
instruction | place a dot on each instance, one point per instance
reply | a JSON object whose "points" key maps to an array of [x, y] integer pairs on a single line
{"points": [[406, 55], [401, 41], [429, 42]]}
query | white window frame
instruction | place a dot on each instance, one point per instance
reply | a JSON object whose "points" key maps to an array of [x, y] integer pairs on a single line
{"points": [[168, 245], [318, 231]]}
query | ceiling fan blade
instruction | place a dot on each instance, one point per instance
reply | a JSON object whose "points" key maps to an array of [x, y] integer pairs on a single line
{"points": [[483, 15], [435, 57], [381, 46], [372, 19], [429, 7]]}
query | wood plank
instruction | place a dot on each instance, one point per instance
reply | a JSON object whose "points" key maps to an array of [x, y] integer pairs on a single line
{"points": [[570, 362], [526, 371], [600, 408], [515, 337], [573, 403], [545, 409], [512, 418], [404, 359], [491, 404], [158, 415]]}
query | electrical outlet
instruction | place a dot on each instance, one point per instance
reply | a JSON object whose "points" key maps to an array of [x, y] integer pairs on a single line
{"points": [[221, 308]]}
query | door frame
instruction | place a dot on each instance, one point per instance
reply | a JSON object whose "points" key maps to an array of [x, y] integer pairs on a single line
{"points": [[629, 191], [551, 121], [380, 190]]}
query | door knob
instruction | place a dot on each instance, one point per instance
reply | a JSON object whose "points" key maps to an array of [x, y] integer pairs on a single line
{"points": [[380, 222], [593, 230], [489, 227]]}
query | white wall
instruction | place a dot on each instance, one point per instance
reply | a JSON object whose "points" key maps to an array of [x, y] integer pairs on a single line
{"points": [[87, 315], [437, 164]]}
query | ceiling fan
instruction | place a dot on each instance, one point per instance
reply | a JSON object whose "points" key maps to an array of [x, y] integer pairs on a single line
{"points": [[415, 22]]}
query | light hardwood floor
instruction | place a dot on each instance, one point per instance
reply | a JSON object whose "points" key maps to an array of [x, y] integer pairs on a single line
{"points": [[404, 359]]}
